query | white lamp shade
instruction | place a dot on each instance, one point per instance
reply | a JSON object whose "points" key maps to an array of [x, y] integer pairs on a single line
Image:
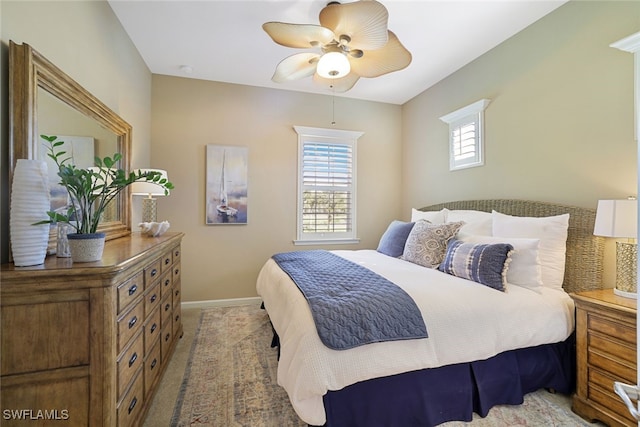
{"points": [[333, 65], [617, 218], [148, 188]]}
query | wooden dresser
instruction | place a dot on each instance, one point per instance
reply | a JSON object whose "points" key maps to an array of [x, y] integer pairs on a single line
{"points": [[606, 352], [85, 344]]}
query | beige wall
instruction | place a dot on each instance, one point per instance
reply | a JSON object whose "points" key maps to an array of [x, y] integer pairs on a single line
{"points": [[560, 124], [222, 261], [85, 40]]}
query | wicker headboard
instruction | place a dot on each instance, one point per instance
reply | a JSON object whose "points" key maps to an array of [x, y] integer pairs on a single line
{"points": [[585, 252]]}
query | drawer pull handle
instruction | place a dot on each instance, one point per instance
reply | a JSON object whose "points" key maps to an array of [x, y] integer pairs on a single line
{"points": [[167, 282], [154, 363], [167, 261], [133, 404], [177, 292], [133, 359], [133, 322], [153, 298], [177, 271], [166, 337], [133, 289], [154, 272], [177, 317], [177, 253], [167, 307], [154, 327]]}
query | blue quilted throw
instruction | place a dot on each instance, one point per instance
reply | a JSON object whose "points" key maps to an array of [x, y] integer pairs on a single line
{"points": [[351, 305]]}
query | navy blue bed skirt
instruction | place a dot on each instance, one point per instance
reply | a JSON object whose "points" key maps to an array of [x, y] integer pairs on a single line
{"points": [[453, 393]]}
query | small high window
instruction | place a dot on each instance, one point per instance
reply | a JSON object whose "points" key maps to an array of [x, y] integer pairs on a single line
{"points": [[466, 127]]}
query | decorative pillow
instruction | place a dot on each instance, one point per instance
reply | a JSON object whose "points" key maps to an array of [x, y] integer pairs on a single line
{"points": [[482, 263], [434, 217], [552, 232], [478, 223], [524, 269], [427, 243], [393, 240]]}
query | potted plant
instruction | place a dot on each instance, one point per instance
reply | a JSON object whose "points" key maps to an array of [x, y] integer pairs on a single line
{"points": [[90, 190]]}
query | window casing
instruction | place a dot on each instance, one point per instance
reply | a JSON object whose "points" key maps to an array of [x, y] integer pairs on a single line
{"points": [[326, 211], [466, 129]]}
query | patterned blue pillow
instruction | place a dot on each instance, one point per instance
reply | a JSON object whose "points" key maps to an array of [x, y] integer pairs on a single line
{"points": [[483, 263], [393, 240]]}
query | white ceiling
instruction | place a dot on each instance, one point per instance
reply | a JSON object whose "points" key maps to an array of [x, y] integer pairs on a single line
{"points": [[223, 40]]}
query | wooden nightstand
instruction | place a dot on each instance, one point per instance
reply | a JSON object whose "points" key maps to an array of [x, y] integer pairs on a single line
{"points": [[606, 352]]}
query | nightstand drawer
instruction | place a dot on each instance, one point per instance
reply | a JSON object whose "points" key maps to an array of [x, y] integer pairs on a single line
{"points": [[612, 328], [612, 349], [605, 396]]}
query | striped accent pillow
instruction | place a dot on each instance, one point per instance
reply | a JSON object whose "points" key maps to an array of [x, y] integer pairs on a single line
{"points": [[482, 263]]}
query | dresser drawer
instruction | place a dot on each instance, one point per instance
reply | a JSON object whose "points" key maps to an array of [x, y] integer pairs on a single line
{"points": [[165, 310], [151, 331], [132, 403], [129, 291], [176, 272], [152, 273], [152, 367], [166, 283], [152, 299], [167, 260], [177, 320], [129, 362], [130, 324], [165, 341], [176, 254]]}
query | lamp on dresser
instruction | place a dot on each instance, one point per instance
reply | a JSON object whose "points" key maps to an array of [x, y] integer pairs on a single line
{"points": [[619, 219], [149, 189]]}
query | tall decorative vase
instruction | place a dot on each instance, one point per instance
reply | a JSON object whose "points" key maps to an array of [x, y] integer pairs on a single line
{"points": [[30, 201]]}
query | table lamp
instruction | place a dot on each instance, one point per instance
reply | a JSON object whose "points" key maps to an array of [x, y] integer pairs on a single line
{"points": [[619, 219], [149, 189]]}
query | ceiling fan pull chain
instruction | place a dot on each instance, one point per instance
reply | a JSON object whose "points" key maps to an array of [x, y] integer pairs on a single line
{"points": [[333, 105]]}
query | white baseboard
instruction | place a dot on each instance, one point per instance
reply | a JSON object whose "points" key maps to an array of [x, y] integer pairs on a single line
{"points": [[221, 302]]}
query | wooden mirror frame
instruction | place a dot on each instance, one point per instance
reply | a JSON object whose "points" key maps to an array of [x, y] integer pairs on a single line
{"points": [[28, 71]]}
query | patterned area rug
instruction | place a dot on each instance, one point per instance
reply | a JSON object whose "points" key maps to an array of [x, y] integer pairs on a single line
{"points": [[230, 381]]}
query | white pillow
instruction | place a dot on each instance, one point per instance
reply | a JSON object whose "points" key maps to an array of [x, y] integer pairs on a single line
{"points": [[524, 269], [434, 217], [552, 232], [475, 222]]}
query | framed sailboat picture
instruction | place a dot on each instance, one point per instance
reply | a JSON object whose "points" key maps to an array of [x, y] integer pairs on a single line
{"points": [[226, 185]]}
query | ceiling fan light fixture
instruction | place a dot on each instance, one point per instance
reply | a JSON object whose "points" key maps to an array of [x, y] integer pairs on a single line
{"points": [[333, 65]]}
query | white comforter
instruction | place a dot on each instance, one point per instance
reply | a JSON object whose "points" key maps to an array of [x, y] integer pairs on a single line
{"points": [[465, 321]]}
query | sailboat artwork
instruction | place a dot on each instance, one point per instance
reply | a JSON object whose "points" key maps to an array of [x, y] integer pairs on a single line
{"points": [[226, 188]]}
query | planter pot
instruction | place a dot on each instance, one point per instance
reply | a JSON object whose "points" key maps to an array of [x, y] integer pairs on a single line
{"points": [[30, 201], [86, 247]]}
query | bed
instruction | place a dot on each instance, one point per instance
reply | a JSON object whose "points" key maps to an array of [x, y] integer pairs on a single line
{"points": [[472, 357]]}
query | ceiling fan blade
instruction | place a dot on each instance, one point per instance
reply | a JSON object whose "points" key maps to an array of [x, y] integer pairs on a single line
{"points": [[363, 22], [296, 67], [298, 35], [373, 63], [340, 85]]}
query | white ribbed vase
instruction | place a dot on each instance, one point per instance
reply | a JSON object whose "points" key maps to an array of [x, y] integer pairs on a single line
{"points": [[30, 201]]}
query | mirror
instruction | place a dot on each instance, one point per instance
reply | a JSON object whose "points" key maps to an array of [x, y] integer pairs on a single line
{"points": [[44, 100]]}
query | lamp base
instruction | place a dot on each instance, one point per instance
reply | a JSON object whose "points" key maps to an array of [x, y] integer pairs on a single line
{"points": [[149, 209], [626, 269]]}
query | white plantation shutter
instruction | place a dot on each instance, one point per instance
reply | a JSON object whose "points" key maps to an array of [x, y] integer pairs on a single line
{"points": [[326, 185], [466, 135]]}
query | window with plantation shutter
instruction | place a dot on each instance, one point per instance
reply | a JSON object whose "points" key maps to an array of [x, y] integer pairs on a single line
{"points": [[466, 135], [326, 185]]}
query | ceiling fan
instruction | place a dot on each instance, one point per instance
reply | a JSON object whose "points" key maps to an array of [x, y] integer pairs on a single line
{"points": [[352, 41]]}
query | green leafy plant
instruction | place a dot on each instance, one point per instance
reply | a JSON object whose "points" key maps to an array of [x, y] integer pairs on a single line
{"points": [[91, 190]]}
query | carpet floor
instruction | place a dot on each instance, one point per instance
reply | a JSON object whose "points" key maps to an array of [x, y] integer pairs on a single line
{"points": [[224, 374]]}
